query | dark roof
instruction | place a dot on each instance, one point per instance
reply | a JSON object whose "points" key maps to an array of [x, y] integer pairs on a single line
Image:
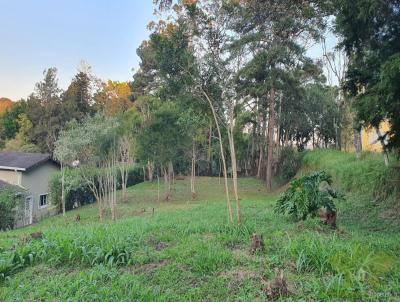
{"points": [[22, 161]]}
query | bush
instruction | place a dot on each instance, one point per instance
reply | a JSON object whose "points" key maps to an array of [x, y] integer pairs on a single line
{"points": [[10, 200], [306, 195], [76, 190], [135, 176], [288, 163]]}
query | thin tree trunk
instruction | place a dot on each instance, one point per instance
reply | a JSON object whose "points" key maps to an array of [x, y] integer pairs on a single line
{"points": [[158, 188], [261, 146], [193, 173], [357, 143], [234, 171], [385, 154], [209, 153], [150, 168], [220, 170], [63, 188], [271, 127], [228, 201]]}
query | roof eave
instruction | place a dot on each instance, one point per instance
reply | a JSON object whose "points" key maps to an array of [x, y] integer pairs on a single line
{"points": [[12, 168]]}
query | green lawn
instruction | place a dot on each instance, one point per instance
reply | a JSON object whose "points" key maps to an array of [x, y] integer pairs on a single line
{"points": [[186, 251]]}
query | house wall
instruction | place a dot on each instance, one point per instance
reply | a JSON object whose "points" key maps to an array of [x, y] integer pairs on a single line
{"points": [[36, 181], [12, 177], [369, 137]]}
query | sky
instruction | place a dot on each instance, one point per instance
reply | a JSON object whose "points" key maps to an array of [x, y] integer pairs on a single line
{"points": [[38, 34]]}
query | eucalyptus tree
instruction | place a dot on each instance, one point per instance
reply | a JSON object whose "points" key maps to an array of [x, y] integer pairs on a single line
{"points": [[191, 50], [130, 126], [92, 145], [272, 33], [195, 124]]}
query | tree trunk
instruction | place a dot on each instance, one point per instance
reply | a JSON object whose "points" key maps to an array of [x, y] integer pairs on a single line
{"points": [[234, 170], [261, 146], [357, 143], [158, 188], [209, 153], [63, 188], [193, 173], [271, 127], [228, 201], [150, 168], [170, 176], [381, 140]]}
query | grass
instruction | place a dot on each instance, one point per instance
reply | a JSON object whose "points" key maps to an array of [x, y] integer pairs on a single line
{"points": [[186, 251]]}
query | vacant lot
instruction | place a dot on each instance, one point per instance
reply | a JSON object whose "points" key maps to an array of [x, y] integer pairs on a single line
{"points": [[186, 251]]}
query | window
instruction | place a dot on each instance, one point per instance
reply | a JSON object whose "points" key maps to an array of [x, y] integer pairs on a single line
{"points": [[43, 201]]}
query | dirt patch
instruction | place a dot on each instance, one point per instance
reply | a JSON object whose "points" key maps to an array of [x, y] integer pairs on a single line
{"points": [[157, 244], [207, 236], [290, 266], [238, 276], [160, 246], [145, 268], [242, 253]]}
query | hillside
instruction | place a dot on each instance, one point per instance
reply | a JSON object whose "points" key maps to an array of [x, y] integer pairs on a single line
{"points": [[186, 251]]}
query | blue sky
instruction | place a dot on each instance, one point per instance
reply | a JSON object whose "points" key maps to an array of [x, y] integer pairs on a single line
{"points": [[38, 34]]}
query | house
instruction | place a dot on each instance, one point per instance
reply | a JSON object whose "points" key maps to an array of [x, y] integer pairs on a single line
{"points": [[370, 137], [31, 172]]}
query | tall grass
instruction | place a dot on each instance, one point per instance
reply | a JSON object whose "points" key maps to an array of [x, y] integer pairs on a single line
{"points": [[368, 175], [186, 251]]}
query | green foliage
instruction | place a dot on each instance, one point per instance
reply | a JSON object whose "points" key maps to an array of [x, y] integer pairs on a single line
{"points": [[358, 266], [307, 194], [76, 189], [368, 176], [374, 49], [188, 248], [288, 163], [9, 125], [135, 176], [163, 140], [11, 199]]}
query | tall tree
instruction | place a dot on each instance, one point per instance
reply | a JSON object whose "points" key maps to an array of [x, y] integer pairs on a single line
{"points": [[78, 98], [113, 98], [5, 104], [45, 112], [270, 33], [370, 32]]}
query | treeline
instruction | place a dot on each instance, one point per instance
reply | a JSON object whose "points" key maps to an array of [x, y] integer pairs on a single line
{"points": [[224, 88], [34, 124]]}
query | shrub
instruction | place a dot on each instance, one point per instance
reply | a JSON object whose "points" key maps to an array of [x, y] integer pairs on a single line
{"points": [[10, 200], [306, 195], [288, 163], [76, 189], [135, 176]]}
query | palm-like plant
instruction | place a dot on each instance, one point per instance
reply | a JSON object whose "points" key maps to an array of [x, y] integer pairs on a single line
{"points": [[307, 194]]}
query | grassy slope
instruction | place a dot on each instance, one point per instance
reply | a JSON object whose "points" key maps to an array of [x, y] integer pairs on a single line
{"points": [[187, 252]]}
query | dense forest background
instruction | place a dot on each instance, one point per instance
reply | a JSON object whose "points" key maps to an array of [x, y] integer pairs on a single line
{"points": [[224, 88]]}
